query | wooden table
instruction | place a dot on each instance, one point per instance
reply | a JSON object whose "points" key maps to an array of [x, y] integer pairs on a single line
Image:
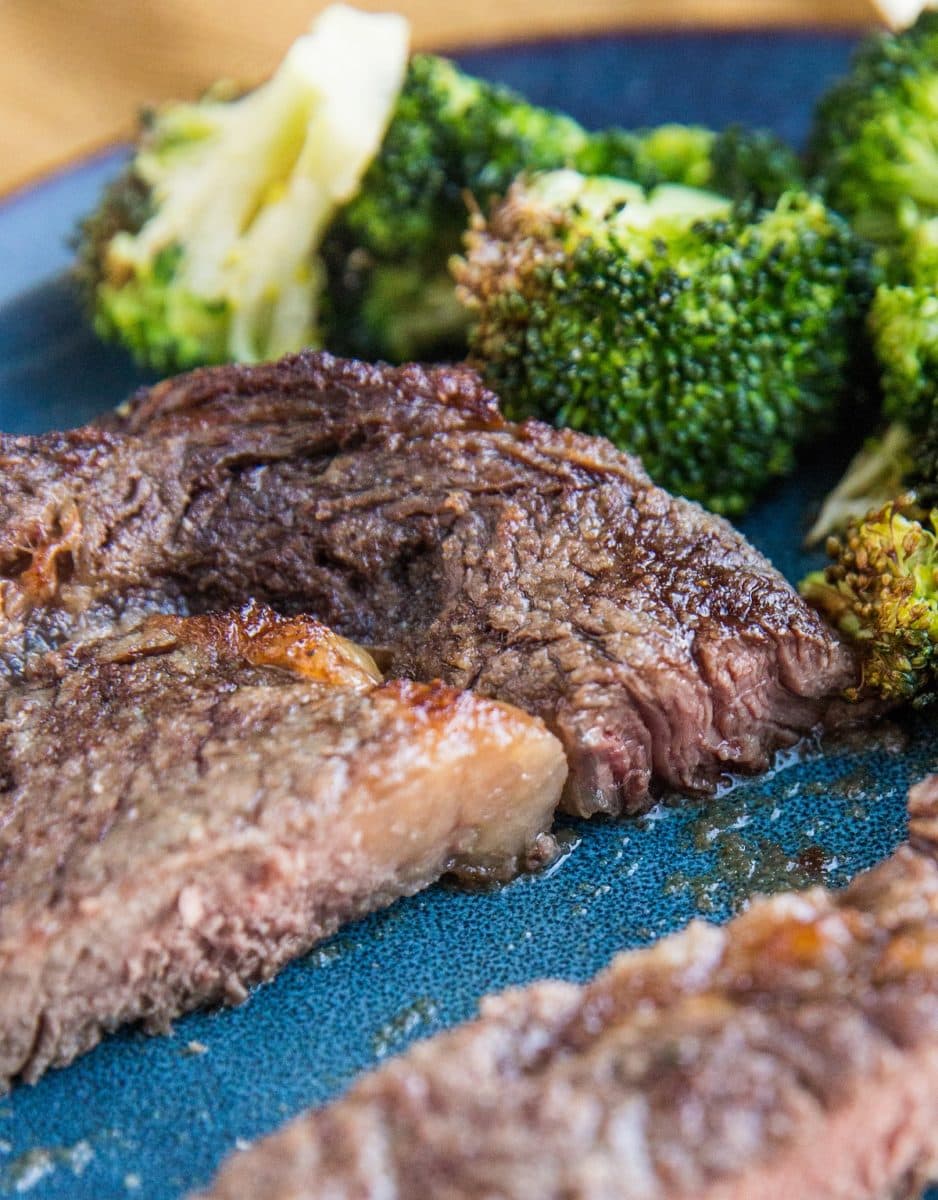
{"points": [[75, 72]]}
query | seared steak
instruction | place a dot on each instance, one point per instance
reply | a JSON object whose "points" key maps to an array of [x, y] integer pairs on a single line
{"points": [[185, 808], [536, 565], [792, 1055]]}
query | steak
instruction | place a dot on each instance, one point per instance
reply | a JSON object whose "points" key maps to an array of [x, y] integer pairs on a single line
{"points": [[186, 807], [535, 565], [791, 1054]]}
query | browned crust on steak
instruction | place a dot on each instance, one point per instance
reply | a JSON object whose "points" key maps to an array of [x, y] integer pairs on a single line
{"points": [[792, 1053], [536, 565], [185, 808]]}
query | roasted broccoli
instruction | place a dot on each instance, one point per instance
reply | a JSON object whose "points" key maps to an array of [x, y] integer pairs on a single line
{"points": [[705, 339], [874, 147], [320, 208], [228, 238], [903, 328], [454, 140], [206, 250], [323, 207], [745, 165], [881, 592]]}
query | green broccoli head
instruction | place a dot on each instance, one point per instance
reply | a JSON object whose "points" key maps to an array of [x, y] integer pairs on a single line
{"points": [[457, 143], [881, 592], [903, 336], [666, 154], [451, 134], [454, 141], [874, 148], [206, 249], [745, 165], [904, 329], [705, 341]]}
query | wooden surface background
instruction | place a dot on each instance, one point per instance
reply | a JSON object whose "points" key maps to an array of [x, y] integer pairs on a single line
{"points": [[75, 72]]}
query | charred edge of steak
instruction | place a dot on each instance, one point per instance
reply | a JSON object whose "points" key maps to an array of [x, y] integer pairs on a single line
{"points": [[292, 377]]}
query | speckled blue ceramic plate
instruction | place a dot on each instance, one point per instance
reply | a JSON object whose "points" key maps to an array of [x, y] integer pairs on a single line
{"points": [[152, 1117]]}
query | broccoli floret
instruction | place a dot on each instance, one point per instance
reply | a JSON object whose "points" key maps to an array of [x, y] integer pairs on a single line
{"points": [[397, 311], [903, 329], [746, 165], [451, 134], [666, 154], [454, 140], [323, 207], [874, 144], [705, 340], [206, 249], [881, 592]]}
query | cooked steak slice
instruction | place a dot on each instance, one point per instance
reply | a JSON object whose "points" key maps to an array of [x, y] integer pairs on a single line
{"points": [[793, 1053], [536, 565], [187, 807]]}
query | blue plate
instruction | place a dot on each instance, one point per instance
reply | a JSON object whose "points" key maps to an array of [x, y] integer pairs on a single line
{"points": [[152, 1117]]}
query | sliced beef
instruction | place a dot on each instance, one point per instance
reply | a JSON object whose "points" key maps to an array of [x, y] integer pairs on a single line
{"points": [[185, 808], [535, 565], [791, 1054]]}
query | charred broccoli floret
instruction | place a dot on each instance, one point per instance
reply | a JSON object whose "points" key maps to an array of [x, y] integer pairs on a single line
{"points": [[706, 340], [457, 140], [881, 592]]}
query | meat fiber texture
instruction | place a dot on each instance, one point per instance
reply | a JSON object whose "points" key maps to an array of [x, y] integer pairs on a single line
{"points": [[791, 1055], [186, 807], [535, 565]]}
